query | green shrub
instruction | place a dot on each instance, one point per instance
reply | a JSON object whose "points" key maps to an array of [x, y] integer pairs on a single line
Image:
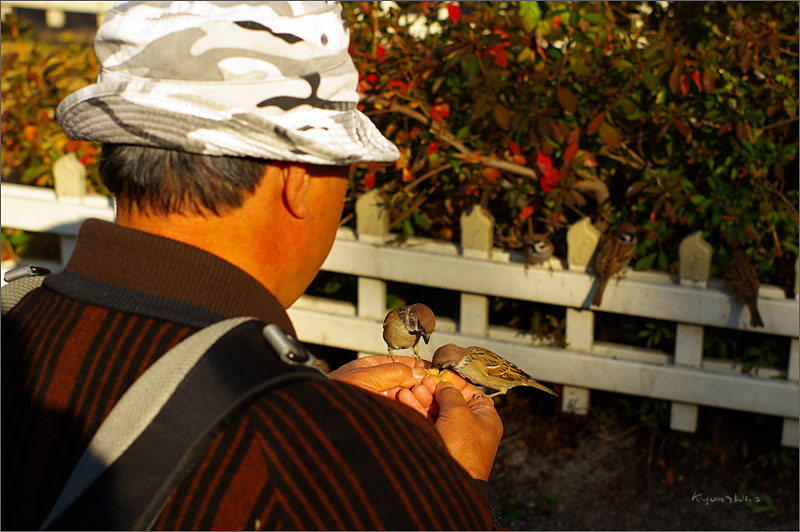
{"points": [[675, 116], [686, 112], [36, 77]]}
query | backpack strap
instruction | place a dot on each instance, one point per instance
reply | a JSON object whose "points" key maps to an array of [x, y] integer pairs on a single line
{"points": [[166, 420], [21, 281]]}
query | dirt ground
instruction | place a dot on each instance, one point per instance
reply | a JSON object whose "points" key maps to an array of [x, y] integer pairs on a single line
{"points": [[621, 468]]}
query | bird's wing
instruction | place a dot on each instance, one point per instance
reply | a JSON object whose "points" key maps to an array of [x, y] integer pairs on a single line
{"points": [[604, 257], [496, 366]]}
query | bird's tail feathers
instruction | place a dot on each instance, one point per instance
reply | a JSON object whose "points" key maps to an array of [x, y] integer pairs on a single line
{"points": [[542, 387], [598, 294], [755, 316]]}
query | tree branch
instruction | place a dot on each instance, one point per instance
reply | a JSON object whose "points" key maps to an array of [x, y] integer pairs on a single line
{"points": [[464, 153]]}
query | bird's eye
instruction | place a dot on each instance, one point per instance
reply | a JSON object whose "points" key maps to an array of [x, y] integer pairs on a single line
{"points": [[540, 246]]}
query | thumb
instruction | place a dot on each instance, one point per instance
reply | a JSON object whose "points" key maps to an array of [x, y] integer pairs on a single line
{"points": [[448, 396]]}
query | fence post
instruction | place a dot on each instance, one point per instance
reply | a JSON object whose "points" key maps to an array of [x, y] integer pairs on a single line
{"points": [[372, 225], [477, 238], [70, 185], [582, 239], [790, 436], [55, 18], [695, 269]]}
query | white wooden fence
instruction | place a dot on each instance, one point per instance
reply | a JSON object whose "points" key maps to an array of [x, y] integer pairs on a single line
{"points": [[56, 11], [478, 271]]}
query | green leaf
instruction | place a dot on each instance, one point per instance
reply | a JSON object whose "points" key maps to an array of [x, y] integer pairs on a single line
{"points": [[421, 221], [622, 64], [609, 135], [663, 262], [645, 262], [594, 18], [697, 199], [530, 15], [471, 65], [567, 99]]}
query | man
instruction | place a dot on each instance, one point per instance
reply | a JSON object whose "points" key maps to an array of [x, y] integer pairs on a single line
{"points": [[229, 130]]}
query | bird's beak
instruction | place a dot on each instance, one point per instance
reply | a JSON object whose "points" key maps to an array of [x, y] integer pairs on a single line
{"points": [[426, 337]]}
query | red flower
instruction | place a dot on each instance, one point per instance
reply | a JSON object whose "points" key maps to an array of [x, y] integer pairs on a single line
{"points": [[432, 147], [88, 156], [499, 55], [696, 79], [369, 180], [570, 152], [550, 176], [29, 133], [514, 147], [397, 83], [454, 12], [543, 161], [526, 212], [684, 84], [440, 110], [372, 78], [381, 52], [550, 179]]}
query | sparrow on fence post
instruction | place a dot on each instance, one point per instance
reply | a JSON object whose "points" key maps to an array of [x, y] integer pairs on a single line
{"points": [[484, 368], [614, 252], [403, 327], [537, 250], [742, 279]]}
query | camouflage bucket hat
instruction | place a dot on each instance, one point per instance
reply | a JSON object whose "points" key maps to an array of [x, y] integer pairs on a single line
{"points": [[264, 79]]}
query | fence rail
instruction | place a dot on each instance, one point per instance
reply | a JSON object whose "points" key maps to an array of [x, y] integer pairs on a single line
{"points": [[56, 10], [478, 271]]}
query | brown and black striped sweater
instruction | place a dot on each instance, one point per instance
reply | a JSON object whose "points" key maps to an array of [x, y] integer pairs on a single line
{"points": [[309, 455]]}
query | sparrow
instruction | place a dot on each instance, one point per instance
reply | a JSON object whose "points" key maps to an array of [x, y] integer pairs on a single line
{"points": [[403, 327], [484, 368], [537, 250], [742, 279], [614, 252]]}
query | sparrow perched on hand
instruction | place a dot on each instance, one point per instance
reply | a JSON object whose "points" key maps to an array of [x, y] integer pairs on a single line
{"points": [[537, 250], [403, 327], [614, 252], [484, 368], [742, 279]]}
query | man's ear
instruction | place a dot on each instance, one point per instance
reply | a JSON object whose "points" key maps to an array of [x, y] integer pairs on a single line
{"points": [[295, 190]]}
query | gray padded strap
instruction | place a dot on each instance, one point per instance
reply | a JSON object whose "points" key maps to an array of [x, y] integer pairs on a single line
{"points": [[13, 292], [136, 409]]}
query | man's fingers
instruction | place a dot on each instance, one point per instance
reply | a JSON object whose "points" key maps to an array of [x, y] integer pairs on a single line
{"points": [[407, 398], [380, 378]]}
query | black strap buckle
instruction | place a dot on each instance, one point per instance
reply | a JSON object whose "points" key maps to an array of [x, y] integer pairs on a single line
{"points": [[24, 271], [289, 350]]}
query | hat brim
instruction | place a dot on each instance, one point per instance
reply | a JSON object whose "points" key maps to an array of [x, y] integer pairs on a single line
{"points": [[102, 112]]}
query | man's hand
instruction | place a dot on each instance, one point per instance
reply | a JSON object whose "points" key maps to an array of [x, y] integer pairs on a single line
{"points": [[465, 419], [381, 375]]}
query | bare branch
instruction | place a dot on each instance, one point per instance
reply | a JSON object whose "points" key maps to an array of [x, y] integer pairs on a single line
{"points": [[465, 154]]}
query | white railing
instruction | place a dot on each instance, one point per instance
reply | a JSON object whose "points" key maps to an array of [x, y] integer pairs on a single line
{"points": [[55, 11], [478, 271]]}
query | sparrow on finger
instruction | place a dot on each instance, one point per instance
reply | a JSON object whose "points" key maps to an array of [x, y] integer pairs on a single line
{"points": [[403, 327], [484, 368], [742, 279], [614, 252], [537, 250]]}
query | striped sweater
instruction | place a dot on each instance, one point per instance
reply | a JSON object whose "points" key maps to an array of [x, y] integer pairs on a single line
{"points": [[309, 455]]}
